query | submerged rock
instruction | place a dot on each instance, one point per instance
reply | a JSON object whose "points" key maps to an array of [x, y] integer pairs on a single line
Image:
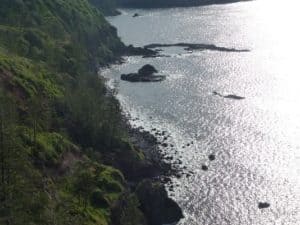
{"points": [[263, 205], [145, 74]]}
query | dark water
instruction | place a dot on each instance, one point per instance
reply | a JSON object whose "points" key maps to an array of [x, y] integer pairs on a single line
{"points": [[256, 140]]}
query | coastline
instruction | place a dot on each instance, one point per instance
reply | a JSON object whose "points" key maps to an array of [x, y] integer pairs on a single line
{"points": [[157, 172], [134, 4]]}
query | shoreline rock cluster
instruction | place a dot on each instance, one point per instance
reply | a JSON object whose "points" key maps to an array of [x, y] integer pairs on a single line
{"points": [[148, 185]]}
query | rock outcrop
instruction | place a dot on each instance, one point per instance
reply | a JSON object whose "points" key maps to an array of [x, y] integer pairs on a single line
{"points": [[145, 74], [156, 205], [196, 46]]}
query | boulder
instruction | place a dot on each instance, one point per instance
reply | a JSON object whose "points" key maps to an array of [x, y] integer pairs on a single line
{"points": [[156, 205], [147, 70]]}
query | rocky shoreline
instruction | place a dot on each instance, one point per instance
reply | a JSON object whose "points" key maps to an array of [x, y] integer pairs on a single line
{"points": [[150, 180], [149, 185]]}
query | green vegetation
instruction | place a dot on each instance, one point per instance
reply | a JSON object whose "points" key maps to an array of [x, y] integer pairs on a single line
{"points": [[63, 151]]}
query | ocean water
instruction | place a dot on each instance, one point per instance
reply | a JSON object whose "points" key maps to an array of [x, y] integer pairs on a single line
{"points": [[256, 141]]}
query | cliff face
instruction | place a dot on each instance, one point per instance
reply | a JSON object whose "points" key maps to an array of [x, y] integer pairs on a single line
{"points": [[64, 156], [170, 3]]}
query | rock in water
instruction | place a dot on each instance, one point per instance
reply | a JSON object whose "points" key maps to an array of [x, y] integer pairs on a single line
{"points": [[211, 157], [204, 167], [147, 70], [136, 15], [263, 205], [145, 74], [236, 97], [217, 93]]}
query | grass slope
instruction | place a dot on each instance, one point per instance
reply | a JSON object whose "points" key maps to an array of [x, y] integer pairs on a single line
{"points": [[59, 129]]}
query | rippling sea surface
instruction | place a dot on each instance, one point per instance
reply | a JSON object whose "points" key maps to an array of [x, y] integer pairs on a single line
{"points": [[256, 141]]}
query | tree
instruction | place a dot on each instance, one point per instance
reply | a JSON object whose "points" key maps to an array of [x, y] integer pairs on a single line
{"points": [[83, 184], [7, 152], [22, 198], [39, 116]]}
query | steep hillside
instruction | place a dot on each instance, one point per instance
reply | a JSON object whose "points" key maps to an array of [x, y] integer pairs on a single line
{"points": [[64, 156], [59, 32]]}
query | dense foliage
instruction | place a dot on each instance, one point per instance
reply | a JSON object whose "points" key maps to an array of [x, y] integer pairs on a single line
{"points": [[60, 132]]}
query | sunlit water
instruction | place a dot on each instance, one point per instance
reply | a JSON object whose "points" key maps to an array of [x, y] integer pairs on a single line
{"points": [[257, 140]]}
